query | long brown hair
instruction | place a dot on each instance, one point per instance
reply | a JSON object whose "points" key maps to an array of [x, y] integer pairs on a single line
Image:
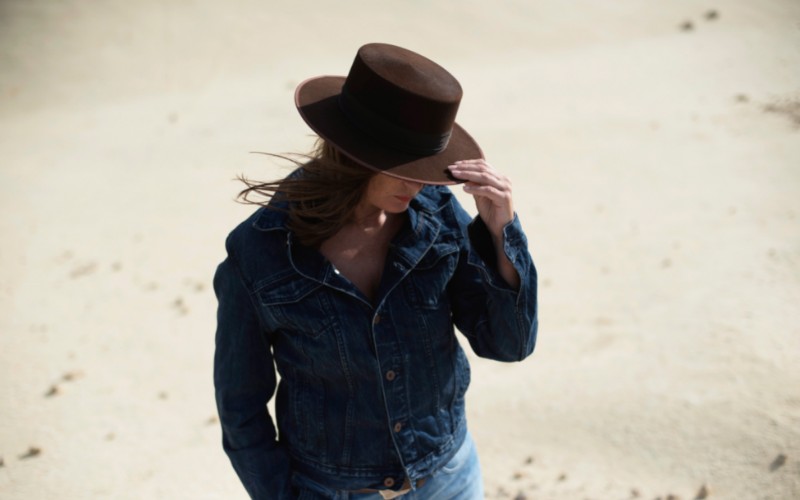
{"points": [[321, 198]]}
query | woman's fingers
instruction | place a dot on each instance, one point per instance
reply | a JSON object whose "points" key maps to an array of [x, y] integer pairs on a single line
{"points": [[482, 179], [480, 172], [491, 190]]}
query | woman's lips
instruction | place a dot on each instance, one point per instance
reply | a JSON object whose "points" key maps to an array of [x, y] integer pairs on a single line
{"points": [[404, 199]]}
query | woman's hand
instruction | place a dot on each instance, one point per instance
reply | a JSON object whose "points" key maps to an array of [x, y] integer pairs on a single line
{"points": [[492, 193], [491, 190]]}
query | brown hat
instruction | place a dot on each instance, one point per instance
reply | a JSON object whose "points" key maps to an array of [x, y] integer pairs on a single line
{"points": [[394, 113]]}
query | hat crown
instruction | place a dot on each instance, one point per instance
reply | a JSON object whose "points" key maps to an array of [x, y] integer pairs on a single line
{"points": [[401, 98], [410, 71]]}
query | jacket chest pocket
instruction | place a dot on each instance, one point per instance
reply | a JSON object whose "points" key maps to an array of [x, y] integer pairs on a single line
{"points": [[295, 304], [427, 281]]}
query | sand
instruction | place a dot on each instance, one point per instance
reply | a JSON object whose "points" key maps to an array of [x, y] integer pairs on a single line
{"points": [[654, 151]]}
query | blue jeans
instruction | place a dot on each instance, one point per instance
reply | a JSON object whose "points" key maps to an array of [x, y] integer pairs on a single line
{"points": [[459, 479]]}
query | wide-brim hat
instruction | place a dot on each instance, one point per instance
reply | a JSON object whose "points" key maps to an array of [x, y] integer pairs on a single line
{"points": [[394, 113]]}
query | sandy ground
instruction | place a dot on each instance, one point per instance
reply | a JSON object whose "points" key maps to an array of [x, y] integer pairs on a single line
{"points": [[655, 151]]}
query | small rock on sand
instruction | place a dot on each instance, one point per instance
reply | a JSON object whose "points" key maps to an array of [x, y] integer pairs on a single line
{"points": [[702, 493], [776, 464], [72, 375], [33, 451]]}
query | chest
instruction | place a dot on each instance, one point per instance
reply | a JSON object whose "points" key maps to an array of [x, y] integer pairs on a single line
{"points": [[360, 260]]}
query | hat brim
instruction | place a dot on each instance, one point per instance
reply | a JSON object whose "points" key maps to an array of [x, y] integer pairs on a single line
{"points": [[317, 100]]}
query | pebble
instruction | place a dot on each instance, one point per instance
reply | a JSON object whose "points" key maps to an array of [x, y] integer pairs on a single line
{"points": [[70, 376], [702, 493], [33, 451], [776, 464]]}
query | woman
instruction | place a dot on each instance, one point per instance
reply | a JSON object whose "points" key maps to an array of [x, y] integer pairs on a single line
{"points": [[350, 282]]}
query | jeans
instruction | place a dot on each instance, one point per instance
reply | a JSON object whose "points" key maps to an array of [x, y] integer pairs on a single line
{"points": [[459, 479]]}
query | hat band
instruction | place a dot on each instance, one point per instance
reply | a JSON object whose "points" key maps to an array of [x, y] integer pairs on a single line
{"points": [[387, 133]]}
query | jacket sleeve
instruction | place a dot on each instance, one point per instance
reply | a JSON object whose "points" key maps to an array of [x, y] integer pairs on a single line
{"points": [[244, 381], [500, 323]]}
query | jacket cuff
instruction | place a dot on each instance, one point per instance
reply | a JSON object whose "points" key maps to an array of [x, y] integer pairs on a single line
{"points": [[483, 255]]}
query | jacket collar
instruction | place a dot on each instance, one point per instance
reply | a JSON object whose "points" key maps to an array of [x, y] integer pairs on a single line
{"points": [[413, 241]]}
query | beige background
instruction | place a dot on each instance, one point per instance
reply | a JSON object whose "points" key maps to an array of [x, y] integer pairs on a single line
{"points": [[656, 171]]}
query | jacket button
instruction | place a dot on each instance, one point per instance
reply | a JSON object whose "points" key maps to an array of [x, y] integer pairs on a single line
{"points": [[398, 426], [388, 482], [390, 375]]}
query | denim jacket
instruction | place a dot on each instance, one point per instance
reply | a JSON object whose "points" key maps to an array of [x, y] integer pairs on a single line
{"points": [[370, 392]]}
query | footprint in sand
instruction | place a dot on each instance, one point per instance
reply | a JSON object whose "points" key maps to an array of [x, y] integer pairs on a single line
{"points": [[180, 306], [195, 285], [83, 270], [69, 376], [789, 108]]}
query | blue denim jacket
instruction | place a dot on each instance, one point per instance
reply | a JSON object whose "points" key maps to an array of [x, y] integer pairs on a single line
{"points": [[371, 392]]}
